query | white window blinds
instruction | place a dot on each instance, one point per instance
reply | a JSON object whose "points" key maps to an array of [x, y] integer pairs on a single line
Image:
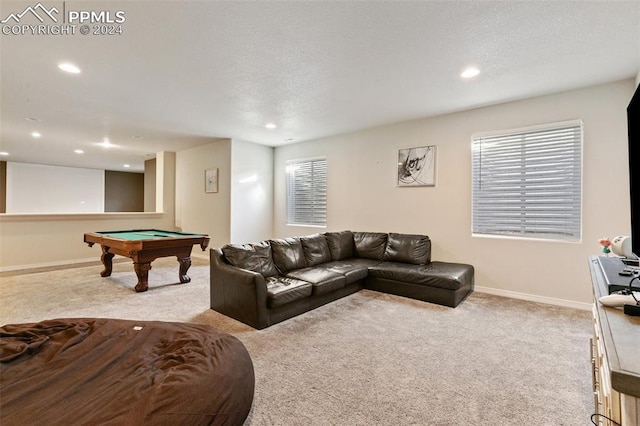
{"points": [[307, 192], [528, 183]]}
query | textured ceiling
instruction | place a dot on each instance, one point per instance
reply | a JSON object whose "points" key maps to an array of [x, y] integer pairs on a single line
{"points": [[183, 73]]}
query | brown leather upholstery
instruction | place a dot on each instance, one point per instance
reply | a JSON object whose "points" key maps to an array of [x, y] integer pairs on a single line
{"points": [[288, 254], [405, 248], [283, 290], [308, 277], [449, 276], [370, 245], [353, 270], [323, 280], [254, 257], [315, 249], [340, 244]]}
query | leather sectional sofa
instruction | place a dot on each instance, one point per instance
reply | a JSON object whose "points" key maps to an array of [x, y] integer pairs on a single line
{"points": [[265, 283]]}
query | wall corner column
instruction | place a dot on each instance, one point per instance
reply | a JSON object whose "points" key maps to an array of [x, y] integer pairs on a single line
{"points": [[166, 184]]}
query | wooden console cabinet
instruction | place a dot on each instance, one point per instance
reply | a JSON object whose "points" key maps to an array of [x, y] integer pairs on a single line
{"points": [[615, 357]]}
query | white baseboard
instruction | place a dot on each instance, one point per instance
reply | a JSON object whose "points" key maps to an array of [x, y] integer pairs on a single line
{"points": [[534, 298]]}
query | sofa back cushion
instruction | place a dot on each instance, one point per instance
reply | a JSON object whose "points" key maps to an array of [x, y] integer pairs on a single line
{"points": [[340, 244], [288, 254], [407, 248], [370, 245], [254, 257], [316, 249]]}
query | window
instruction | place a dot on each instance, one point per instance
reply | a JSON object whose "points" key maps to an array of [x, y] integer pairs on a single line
{"points": [[528, 183], [307, 192]]}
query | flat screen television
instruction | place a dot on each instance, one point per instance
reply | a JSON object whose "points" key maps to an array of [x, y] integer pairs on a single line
{"points": [[633, 125]]}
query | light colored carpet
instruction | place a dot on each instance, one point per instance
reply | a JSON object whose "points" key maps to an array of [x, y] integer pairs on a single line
{"points": [[367, 359]]}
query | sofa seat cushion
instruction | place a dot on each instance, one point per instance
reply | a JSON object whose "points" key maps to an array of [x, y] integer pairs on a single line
{"points": [[450, 276], [283, 290], [322, 279], [356, 261], [352, 269]]}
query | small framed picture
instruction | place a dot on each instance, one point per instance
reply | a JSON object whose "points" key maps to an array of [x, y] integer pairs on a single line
{"points": [[417, 166], [211, 180]]}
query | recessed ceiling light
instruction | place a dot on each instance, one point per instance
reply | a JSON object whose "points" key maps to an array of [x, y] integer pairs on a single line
{"points": [[79, 151], [470, 72], [270, 126], [138, 137], [31, 119], [126, 166], [289, 140], [69, 67], [36, 134], [4, 153]]}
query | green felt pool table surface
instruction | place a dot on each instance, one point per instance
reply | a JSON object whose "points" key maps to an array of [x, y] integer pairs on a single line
{"points": [[146, 234]]}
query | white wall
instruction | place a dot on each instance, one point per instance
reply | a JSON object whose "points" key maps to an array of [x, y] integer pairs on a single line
{"points": [[251, 192], [150, 185], [39, 188], [166, 182], [362, 192], [57, 239], [197, 211], [33, 240]]}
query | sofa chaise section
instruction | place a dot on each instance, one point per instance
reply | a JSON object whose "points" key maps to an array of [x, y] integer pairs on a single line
{"points": [[443, 283]]}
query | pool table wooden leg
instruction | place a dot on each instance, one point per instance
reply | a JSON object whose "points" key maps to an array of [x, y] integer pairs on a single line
{"points": [[106, 261], [142, 271], [185, 264]]}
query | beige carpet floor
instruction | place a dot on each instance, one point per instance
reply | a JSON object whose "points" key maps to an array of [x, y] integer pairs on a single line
{"points": [[367, 359]]}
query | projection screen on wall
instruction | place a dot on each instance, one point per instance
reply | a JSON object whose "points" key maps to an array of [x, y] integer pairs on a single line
{"points": [[37, 188]]}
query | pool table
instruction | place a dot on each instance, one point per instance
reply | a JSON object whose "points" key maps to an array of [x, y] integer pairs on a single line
{"points": [[143, 246]]}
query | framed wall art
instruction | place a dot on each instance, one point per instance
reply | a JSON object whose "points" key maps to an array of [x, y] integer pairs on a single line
{"points": [[211, 180], [417, 166]]}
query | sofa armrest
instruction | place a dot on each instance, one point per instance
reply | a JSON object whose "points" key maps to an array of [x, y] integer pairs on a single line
{"points": [[236, 292]]}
